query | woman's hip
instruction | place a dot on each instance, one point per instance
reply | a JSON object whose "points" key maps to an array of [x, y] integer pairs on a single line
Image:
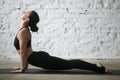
{"points": [[38, 56]]}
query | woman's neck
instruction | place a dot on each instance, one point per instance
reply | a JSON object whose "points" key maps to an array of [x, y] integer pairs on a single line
{"points": [[24, 27]]}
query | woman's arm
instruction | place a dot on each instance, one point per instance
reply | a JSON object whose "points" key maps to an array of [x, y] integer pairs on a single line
{"points": [[23, 38]]}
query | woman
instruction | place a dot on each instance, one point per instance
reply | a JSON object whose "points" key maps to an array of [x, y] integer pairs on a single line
{"points": [[42, 59]]}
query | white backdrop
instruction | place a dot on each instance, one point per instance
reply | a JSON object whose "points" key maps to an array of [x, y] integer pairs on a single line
{"points": [[88, 29]]}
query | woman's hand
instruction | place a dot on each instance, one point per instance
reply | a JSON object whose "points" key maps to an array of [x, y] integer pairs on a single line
{"points": [[18, 70]]}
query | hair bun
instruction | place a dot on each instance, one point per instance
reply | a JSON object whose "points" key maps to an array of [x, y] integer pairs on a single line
{"points": [[34, 19], [34, 28]]}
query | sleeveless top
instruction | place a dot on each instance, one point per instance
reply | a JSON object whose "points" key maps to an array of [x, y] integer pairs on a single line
{"points": [[17, 45]]}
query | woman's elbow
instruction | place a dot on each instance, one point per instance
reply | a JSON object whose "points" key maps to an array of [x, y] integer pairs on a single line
{"points": [[22, 52]]}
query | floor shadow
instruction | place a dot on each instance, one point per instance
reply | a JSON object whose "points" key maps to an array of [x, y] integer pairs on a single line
{"points": [[72, 72]]}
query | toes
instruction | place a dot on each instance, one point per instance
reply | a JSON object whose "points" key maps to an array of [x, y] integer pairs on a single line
{"points": [[108, 71]]}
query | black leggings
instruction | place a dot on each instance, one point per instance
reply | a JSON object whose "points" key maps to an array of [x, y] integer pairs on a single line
{"points": [[44, 60]]}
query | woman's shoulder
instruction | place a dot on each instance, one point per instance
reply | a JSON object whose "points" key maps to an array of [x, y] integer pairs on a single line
{"points": [[23, 32]]}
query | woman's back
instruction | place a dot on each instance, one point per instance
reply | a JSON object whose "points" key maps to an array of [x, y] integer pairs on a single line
{"points": [[23, 35]]}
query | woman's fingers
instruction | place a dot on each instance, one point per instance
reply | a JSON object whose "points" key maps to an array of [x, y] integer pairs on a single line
{"points": [[17, 68], [17, 71]]}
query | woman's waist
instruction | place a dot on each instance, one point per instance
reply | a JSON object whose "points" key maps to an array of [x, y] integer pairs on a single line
{"points": [[39, 54]]}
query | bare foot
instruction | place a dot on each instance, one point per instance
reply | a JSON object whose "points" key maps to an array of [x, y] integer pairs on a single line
{"points": [[108, 71]]}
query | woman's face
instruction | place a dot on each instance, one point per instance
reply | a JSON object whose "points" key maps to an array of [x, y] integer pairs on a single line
{"points": [[25, 18], [25, 15]]}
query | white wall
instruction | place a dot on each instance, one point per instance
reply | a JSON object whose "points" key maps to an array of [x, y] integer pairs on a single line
{"points": [[87, 29]]}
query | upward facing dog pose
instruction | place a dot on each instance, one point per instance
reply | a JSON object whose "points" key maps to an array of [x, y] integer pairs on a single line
{"points": [[42, 59]]}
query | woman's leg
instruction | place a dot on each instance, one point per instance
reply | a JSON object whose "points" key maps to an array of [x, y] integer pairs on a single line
{"points": [[56, 63], [44, 60]]}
